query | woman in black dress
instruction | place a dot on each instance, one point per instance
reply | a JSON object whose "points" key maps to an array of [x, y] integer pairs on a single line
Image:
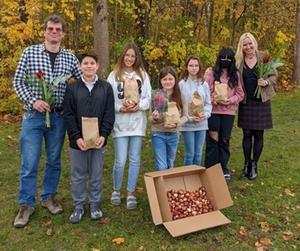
{"points": [[254, 115]]}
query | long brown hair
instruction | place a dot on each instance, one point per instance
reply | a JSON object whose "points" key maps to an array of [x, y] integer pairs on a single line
{"points": [[185, 74], [176, 95], [137, 66]]}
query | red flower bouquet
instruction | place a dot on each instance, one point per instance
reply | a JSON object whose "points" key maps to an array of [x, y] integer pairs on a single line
{"points": [[46, 90], [265, 67]]}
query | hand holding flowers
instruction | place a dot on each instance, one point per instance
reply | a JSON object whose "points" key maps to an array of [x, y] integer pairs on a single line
{"points": [[265, 67], [45, 89]]}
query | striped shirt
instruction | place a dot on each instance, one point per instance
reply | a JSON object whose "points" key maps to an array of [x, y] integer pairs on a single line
{"points": [[35, 58]]}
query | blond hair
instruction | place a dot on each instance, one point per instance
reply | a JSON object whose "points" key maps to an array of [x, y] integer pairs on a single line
{"points": [[239, 55]]}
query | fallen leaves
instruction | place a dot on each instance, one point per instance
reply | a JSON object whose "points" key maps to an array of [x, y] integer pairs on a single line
{"points": [[105, 221], [249, 217], [264, 226], [118, 241], [242, 234], [265, 241], [287, 235], [50, 232], [288, 192], [47, 223], [262, 244]]}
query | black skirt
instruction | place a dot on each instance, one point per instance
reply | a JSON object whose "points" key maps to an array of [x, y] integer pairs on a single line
{"points": [[255, 115]]}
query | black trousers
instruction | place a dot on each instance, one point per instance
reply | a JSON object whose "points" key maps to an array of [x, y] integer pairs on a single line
{"points": [[218, 151]]}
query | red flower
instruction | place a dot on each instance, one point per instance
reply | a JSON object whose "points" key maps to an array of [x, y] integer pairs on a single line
{"points": [[265, 68], [159, 100], [266, 59], [40, 75]]}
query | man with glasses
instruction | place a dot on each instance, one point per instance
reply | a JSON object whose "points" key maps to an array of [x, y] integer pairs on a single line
{"points": [[52, 61]]}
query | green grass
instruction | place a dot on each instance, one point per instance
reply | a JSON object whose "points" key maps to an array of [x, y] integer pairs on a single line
{"points": [[264, 211]]}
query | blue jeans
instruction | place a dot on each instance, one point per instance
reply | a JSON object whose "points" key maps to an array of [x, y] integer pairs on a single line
{"points": [[164, 145], [193, 142], [33, 132], [121, 147]]}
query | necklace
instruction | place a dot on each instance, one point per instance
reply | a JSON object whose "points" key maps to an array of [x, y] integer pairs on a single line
{"points": [[250, 56]]}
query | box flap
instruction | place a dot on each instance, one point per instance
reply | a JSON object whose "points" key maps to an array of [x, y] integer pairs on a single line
{"points": [[175, 171], [153, 200], [196, 223], [216, 187]]}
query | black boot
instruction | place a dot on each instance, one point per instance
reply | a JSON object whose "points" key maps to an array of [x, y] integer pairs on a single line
{"points": [[246, 170], [253, 171]]}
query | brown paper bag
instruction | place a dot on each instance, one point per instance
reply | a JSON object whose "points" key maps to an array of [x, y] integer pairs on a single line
{"points": [[90, 131], [196, 108], [131, 90], [172, 115], [221, 93]]}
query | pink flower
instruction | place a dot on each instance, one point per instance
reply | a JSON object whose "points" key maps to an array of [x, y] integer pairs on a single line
{"points": [[159, 100]]}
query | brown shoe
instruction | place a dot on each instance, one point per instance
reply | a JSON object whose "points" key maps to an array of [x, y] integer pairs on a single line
{"points": [[23, 216], [53, 206]]}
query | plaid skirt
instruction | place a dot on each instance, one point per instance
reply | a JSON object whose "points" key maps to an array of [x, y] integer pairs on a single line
{"points": [[255, 115]]}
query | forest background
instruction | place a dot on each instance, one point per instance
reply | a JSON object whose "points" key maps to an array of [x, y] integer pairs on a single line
{"points": [[167, 31]]}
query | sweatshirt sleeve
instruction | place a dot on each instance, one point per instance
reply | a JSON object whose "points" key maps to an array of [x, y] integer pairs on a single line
{"points": [[184, 112], [145, 100], [238, 95], [108, 119], [209, 78], [207, 102], [111, 80], [69, 114]]}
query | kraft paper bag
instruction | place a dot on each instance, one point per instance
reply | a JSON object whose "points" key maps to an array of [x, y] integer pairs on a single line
{"points": [[221, 93], [172, 116], [131, 90], [196, 108], [90, 131]]}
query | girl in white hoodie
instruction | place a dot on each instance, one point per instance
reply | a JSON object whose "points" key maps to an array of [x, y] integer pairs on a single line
{"points": [[130, 121]]}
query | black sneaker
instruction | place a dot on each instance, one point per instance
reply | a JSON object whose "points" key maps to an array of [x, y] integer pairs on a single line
{"points": [[76, 216], [227, 177]]}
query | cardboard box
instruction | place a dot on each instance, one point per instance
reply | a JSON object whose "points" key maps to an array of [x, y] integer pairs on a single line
{"points": [[188, 178]]}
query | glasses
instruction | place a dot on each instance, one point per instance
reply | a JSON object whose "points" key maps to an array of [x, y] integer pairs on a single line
{"points": [[51, 29], [130, 56], [226, 58]]}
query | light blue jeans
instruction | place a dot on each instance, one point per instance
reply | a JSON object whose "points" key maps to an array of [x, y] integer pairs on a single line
{"points": [[193, 142], [33, 132], [164, 145], [121, 148]]}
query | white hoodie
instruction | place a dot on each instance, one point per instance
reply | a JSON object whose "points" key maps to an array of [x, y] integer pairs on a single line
{"points": [[188, 87], [130, 124]]}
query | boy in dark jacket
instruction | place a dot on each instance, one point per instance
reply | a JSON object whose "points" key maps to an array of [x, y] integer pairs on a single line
{"points": [[88, 97]]}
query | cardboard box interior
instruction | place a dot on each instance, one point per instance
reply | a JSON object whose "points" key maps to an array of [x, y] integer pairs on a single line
{"points": [[188, 178]]}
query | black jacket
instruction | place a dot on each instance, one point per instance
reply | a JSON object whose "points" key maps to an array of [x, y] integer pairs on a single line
{"points": [[80, 102]]}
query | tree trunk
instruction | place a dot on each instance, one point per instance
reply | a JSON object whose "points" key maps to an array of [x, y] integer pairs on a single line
{"points": [[296, 72], [101, 37], [211, 22], [233, 31]]}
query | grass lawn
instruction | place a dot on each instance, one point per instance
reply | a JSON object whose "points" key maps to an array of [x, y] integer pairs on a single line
{"points": [[265, 214]]}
